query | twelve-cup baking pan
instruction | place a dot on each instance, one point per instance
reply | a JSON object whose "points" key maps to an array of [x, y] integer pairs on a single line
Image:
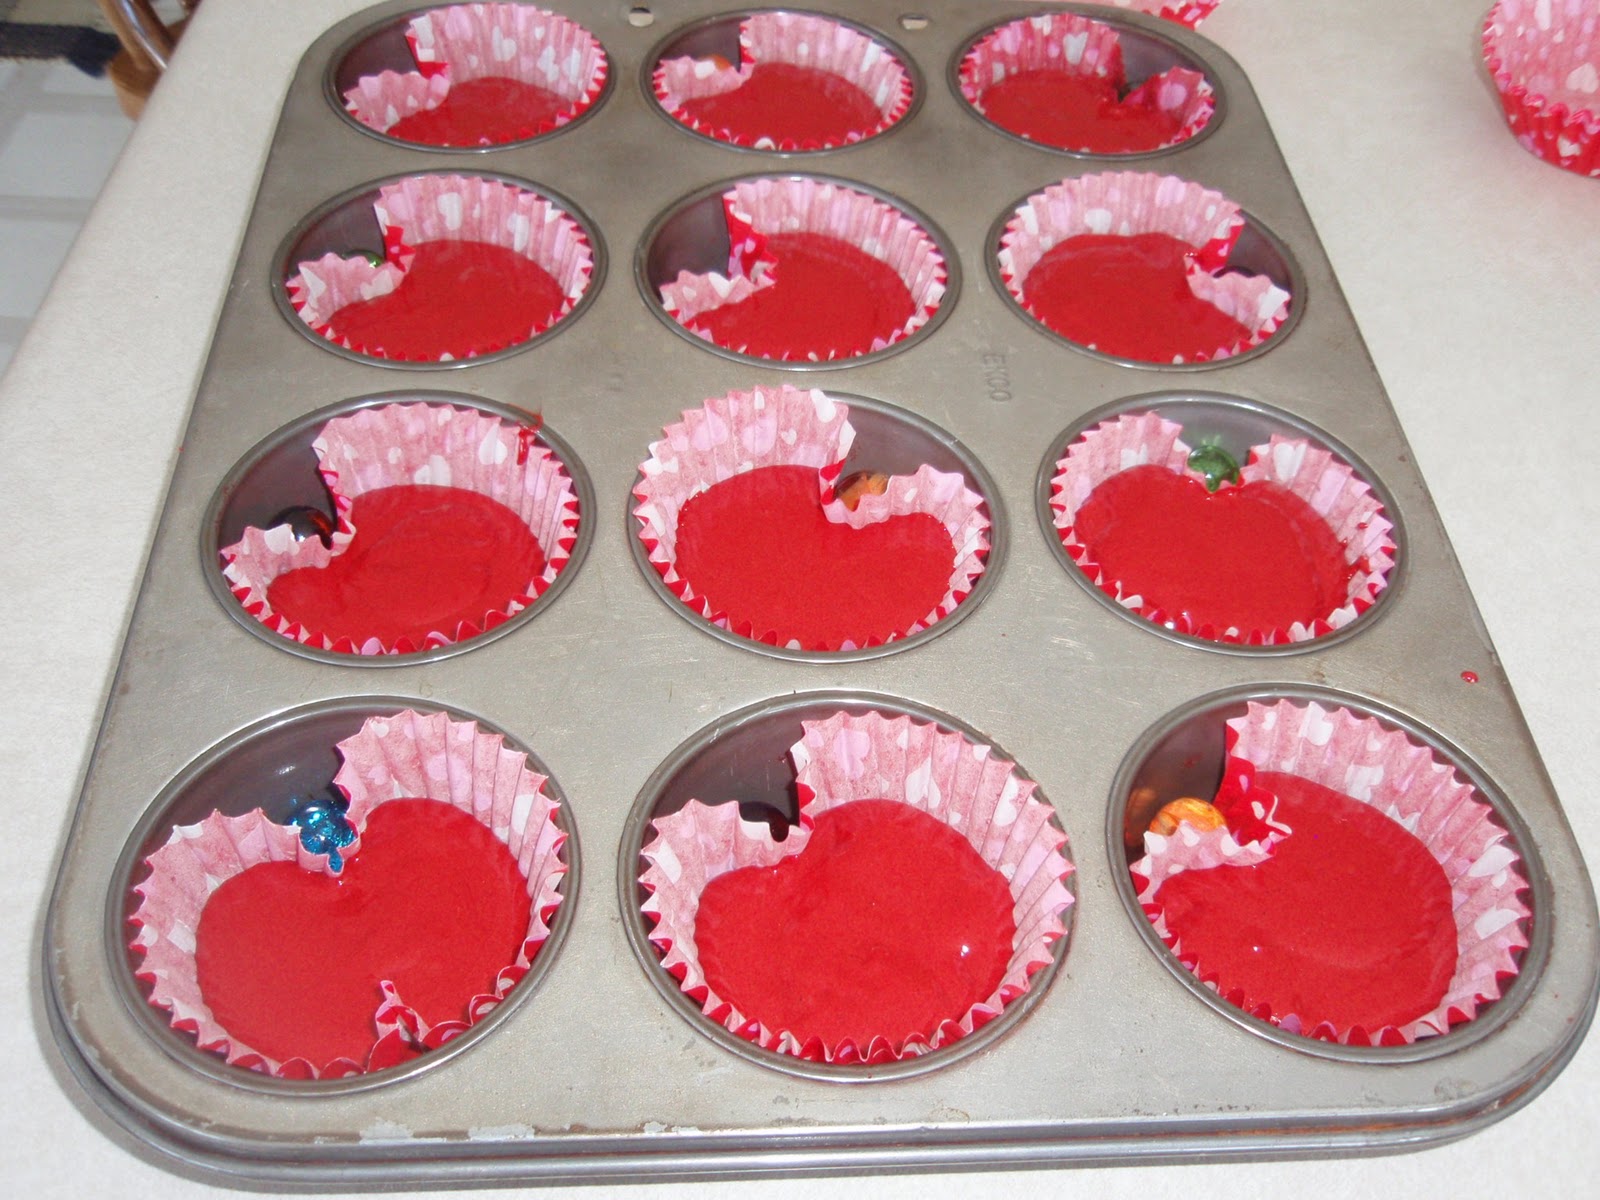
{"points": [[599, 1067]]}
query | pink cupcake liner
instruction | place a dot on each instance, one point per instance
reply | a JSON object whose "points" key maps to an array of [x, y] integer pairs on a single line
{"points": [[785, 426], [398, 444], [408, 754], [870, 756], [1184, 12], [1125, 203], [1544, 56], [432, 208], [1077, 45], [476, 41], [759, 208], [1367, 761], [795, 39], [1329, 486]]}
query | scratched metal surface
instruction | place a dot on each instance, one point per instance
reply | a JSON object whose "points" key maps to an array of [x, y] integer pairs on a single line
{"points": [[593, 1073]]}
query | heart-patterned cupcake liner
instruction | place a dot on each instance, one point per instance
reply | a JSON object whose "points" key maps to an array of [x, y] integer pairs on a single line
{"points": [[407, 754], [1184, 12], [476, 41], [1072, 44], [1328, 485], [759, 208], [1366, 760], [793, 39], [446, 208], [870, 756], [1126, 203], [1544, 57], [397, 444], [786, 426]]}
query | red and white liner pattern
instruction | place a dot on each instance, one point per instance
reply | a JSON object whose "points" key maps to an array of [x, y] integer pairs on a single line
{"points": [[869, 756], [1126, 203], [1544, 57], [759, 208], [446, 208], [406, 755], [785, 426], [1363, 759], [476, 41], [1184, 12], [1328, 485], [793, 39], [398, 444], [1073, 44]]}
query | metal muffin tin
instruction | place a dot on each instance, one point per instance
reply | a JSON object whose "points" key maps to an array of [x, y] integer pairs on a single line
{"points": [[591, 1072]]}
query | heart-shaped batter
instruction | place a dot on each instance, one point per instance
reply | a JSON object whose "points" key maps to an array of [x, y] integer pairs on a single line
{"points": [[455, 299], [1348, 922], [425, 561], [785, 104], [885, 925], [1129, 296], [1251, 557], [290, 961], [761, 551], [1086, 113], [826, 299], [486, 111]]}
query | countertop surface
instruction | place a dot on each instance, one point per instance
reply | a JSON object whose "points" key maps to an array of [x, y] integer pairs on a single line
{"points": [[1472, 269]]}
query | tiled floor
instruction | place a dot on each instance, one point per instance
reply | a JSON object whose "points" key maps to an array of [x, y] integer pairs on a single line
{"points": [[60, 133]]}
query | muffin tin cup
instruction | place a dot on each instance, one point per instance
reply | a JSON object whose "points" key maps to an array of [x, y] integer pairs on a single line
{"points": [[693, 236], [743, 758], [1239, 424], [1184, 753], [347, 225], [266, 765], [1253, 250], [281, 472], [888, 440], [1144, 54], [720, 37], [384, 47]]}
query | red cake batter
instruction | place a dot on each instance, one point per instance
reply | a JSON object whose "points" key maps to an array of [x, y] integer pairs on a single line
{"points": [[1128, 296], [289, 961], [1086, 113], [760, 550], [457, 298], [828, 299], [886, 925], [1254, 557], [484, 112], [790, 105], [423, 560], [1349, 922]]}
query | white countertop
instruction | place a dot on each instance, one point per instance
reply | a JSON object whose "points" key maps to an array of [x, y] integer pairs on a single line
{"points": [[1472, 268]]}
